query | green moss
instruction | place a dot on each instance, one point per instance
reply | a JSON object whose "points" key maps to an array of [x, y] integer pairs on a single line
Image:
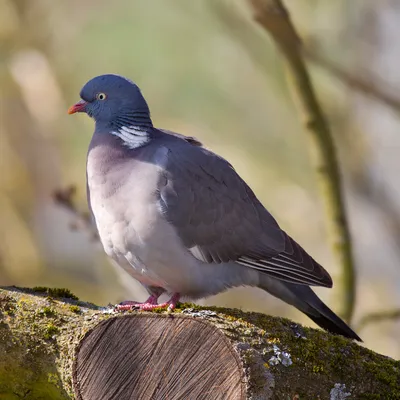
{"points": [[334, 358], [318, 369], [27, 363], [370, 396], [32, 361], [55, 292], [331, 357], [319, 359], [387, 374], [16, 382], [50, 331], [54, 379], [75, 309], [46, 311]]}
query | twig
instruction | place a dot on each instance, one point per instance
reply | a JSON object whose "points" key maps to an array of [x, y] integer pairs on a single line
{"points": [[367, 88], [382, 316], [274, 18], [65, 198]]}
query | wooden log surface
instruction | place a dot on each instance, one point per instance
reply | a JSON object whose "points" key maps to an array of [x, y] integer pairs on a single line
{"points": [[157, 356], [53, 346]]}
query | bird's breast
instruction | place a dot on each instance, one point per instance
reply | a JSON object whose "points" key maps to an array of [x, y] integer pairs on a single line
{"points": [[124, 199], [124, 202]]}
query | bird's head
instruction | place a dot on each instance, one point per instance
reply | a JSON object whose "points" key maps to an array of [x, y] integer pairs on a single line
{"points": [[113, 101]]}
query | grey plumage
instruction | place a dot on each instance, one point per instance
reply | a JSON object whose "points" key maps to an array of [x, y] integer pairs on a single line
{"points": [[179, 219]]}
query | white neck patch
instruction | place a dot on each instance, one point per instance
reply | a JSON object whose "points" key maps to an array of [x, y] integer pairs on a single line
{"points": [[132, 136]]}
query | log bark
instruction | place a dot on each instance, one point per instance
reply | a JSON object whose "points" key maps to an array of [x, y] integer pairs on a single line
{"points": [[53, 346]]}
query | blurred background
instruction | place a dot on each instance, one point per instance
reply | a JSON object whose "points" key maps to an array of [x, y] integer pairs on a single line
{"points": [[208, 71]]}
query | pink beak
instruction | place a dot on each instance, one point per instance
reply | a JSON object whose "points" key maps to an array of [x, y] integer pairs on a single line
{"points": [[78, 107]]}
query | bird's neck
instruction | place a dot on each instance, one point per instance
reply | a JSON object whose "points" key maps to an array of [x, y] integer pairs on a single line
{"points": [[138, 118], [132, 136], [133, 128]]}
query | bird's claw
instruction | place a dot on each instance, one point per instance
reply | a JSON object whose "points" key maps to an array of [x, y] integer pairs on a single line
{"points": [[135, 305], [149, 305]]}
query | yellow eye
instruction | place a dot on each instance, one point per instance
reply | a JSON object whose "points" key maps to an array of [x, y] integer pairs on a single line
{"points": [[101, 96]]}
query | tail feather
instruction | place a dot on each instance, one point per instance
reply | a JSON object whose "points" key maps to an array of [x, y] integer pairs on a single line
{"points": [[332, 323], [304, 299]]}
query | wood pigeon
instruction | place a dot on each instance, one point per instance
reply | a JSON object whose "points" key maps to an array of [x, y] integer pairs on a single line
{"points": [[179, 219]]}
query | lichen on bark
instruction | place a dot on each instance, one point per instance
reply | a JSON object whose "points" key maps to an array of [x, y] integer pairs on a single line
{"points": [[39, 335]]}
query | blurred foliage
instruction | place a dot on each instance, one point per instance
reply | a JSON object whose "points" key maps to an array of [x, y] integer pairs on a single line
{"points": [[208, 71]]}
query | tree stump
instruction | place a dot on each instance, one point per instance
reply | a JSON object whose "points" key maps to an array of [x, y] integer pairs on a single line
{"points": [[53, 346], [157, 357]]}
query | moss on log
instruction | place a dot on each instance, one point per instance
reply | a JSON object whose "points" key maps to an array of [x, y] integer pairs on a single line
{"points": [[41, 334]]}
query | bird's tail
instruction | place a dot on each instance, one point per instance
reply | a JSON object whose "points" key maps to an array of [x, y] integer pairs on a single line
{"points": [[304, 299]]}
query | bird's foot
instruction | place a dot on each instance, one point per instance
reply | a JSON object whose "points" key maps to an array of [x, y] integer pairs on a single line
{"points": [[169, 305], [149, 304], [134, 305]]}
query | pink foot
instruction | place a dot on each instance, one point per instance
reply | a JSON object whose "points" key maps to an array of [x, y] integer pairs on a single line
{"points": [[150, 304], [170, 304], [132, 305]]}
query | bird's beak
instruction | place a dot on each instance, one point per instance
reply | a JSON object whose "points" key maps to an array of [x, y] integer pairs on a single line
{"points": [[80, 106]]}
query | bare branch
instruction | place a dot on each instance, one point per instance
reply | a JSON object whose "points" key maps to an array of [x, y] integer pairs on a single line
{"points": [[82, 220], [363, 86], [382, 316], [275, 19]]}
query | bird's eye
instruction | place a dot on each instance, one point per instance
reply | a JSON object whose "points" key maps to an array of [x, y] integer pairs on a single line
{"points": [[101, 96]]}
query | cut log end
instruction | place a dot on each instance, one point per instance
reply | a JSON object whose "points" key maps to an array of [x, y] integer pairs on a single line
{"points": [[157, 357], [194, 353]]}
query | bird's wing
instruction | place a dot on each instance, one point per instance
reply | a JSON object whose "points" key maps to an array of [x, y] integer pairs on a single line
{"points": [[190, 139], [219, 219]]}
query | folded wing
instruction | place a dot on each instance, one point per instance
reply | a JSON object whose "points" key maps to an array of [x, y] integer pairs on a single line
{"points": [[219, 219]]}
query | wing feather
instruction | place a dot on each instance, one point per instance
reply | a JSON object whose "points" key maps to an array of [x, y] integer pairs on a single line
{"points": [[219, 219]]}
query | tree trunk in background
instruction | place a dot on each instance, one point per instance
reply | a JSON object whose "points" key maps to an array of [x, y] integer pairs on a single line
{"points": [[62, 348]]}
